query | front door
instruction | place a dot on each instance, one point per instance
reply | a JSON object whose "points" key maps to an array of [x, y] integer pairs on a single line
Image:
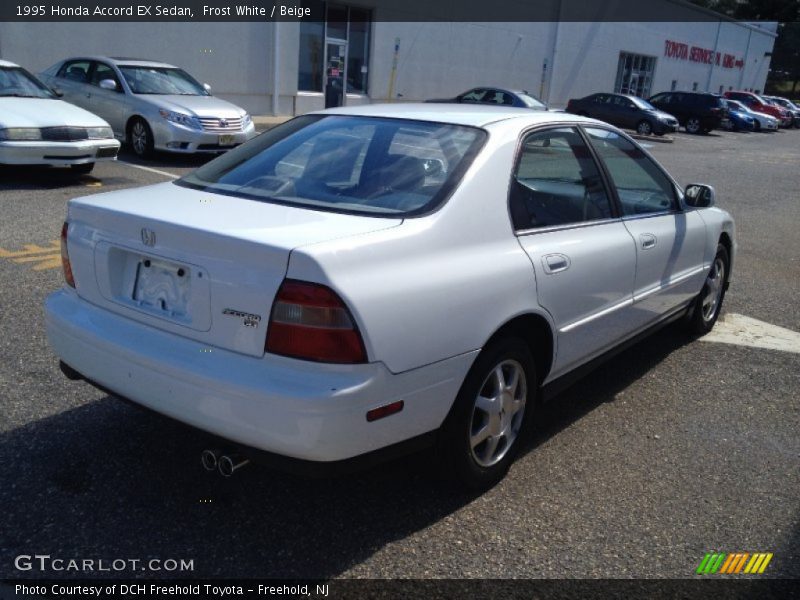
{"points": [[670, 243], [335, 73]]}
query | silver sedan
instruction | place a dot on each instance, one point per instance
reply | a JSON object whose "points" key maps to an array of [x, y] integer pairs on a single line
{"points": [[151, 105]]}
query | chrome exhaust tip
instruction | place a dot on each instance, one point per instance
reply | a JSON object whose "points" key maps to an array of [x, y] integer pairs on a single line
{"points": [[210, 459], [228, 464]]}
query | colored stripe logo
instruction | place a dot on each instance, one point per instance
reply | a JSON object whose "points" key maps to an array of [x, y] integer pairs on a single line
{"points": [[734, 563]]}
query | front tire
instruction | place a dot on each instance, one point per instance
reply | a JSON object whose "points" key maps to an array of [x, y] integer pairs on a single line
{"points": [[644, 127], [708, 304], [140, 137], [481, 435]]}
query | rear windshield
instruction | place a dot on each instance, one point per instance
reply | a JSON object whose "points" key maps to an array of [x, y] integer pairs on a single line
{"points": [[362, 165]]}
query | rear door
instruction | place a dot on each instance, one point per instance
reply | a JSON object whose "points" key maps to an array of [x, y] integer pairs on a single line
{"points": [[583, 257], [73, 79], [670, 242]]}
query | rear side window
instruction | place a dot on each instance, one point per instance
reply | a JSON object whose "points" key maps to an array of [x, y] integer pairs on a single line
{"points": [[556, 182], [641, 186], [362, 165]]}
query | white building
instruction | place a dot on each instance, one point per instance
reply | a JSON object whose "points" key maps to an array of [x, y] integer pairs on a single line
{"points": [[383, 58]]}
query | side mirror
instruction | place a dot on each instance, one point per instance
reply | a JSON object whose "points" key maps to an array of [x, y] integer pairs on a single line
{"points": [[108, 84], [58, 91], [207, 87], [699, 195]]}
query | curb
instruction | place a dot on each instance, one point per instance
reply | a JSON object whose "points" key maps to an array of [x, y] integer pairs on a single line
{"points": [[660, 139]]}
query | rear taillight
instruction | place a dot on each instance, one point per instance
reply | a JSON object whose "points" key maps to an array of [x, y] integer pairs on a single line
{"points": [[65, 257], [310, 321]]}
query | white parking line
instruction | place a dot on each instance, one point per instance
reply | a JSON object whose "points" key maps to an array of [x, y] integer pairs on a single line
{"points": [[150, 169], [744, 331]]}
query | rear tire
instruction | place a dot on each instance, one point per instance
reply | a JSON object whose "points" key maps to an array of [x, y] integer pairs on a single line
{"points": [[482, 434], [692, 125], [708, 304]]}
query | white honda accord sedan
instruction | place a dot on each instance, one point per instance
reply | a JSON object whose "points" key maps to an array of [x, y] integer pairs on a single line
{"points": [[365, 281]]}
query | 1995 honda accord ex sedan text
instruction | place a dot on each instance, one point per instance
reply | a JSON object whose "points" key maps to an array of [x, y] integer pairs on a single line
{"points": [[362, 281]]}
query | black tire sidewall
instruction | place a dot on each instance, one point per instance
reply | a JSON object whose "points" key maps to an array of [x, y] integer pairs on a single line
{"points": [[698, 324], [454, 438], [148, 150]]}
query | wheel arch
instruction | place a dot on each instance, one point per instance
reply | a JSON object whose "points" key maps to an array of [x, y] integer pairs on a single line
{"points": [[536, 332]]}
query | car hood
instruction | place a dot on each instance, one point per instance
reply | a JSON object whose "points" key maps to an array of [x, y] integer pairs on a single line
{"points": [[201, 106], [739, 114], [661, 114], [45, 112]]}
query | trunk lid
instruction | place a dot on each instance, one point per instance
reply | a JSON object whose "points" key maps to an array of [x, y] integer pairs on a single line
{"points": [[201, 265]]}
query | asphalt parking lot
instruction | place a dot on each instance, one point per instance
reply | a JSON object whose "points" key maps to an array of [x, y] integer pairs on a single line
{"points": [[675, 448]]}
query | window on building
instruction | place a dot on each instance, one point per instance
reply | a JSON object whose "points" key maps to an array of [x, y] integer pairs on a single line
{"points": [[635, 74], [337, 48], [674, 85]]}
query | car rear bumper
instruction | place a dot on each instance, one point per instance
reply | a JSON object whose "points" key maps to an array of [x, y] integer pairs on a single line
{"points": [[171, 137], [293, 408], [58, 153]]}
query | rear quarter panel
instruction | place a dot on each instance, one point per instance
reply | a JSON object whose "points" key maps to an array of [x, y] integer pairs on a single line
{"points": [[440, 285]]}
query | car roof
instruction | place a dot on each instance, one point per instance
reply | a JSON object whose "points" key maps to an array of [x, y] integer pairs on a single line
{"points": [[119, 61], [5, 63], [474, 115]]}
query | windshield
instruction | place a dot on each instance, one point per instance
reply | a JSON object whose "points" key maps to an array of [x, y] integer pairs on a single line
{"points": [[362, 165], [161, 80], [532, 102], [16, 81], [736, 105], [642, 103]]}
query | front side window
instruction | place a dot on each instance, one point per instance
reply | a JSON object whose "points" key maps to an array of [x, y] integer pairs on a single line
{"points": [[474, 96], [101, 72], [556, 182], [362, 165], [641, 186]]}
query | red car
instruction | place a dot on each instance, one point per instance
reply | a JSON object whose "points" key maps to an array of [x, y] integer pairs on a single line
{"points": [[758, 104]]}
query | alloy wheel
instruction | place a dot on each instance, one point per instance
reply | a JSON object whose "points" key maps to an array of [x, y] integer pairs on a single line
{"points": [[497, 413], [713, 289]]}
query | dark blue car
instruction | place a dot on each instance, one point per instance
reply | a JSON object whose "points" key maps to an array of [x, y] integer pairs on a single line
{"points": [[738, 120]]}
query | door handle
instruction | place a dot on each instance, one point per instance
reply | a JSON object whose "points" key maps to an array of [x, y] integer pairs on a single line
{"points": [[555, 263], [648, 240]]}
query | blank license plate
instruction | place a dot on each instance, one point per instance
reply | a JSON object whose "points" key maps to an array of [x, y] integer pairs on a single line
{"points": [[163, 286]]}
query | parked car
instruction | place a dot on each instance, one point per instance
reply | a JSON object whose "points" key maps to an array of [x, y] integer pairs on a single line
{"points": [[151, 105], [738, 120], [36, 128], [758, 104], [490, 95], [332, 301], [626, 111], [788, 105], [761, 121], [698, 112]]}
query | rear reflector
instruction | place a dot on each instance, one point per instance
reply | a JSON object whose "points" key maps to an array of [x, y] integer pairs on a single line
{"points": [[65, 257], [310, 321], [384, 411]]}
